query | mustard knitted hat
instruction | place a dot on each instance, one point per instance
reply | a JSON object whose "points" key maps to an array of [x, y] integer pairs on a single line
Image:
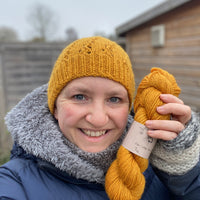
{"points": [[93, 56]]}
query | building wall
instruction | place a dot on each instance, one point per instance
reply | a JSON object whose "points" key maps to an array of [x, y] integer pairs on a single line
{"points": [[180, 54]]}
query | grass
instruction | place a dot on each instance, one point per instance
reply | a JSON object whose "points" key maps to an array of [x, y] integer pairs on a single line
{"points": [[4, 157]]}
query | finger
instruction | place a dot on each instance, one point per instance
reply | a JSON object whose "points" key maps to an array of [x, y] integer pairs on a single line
{"points": [[169, 98], [165, 125], [179, 112], [163, 135], [174, 108]]}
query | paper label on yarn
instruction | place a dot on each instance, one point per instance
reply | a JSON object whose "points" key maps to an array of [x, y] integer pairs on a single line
{"points": [[138, 142]]}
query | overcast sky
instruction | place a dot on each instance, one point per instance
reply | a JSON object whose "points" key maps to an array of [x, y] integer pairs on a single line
{"points": [[86, 16]]}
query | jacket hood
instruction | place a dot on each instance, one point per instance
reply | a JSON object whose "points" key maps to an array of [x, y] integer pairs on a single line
{"points": [[34, 128]]}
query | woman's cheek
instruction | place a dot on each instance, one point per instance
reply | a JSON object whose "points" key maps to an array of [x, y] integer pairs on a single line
{"points": [[121, 117], [70, 114]]}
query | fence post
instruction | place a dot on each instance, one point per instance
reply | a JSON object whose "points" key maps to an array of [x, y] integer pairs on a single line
{"points": [[4, 137]]}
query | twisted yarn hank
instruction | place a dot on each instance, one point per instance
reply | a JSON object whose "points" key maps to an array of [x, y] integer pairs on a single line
{"points": [[148, 95], [125, 179]]}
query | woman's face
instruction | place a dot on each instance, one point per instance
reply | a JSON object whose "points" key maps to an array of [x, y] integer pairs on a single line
{"points": [[92, 112]]}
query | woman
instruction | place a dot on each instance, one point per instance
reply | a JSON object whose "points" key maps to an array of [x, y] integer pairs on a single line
{"points": [[63, 148]]}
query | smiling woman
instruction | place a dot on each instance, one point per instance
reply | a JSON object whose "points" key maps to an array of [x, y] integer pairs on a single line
{"points": [[89, 115], [68, 133]]}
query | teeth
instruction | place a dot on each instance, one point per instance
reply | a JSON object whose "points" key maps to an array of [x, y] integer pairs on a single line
{"points": [[94, 133]]}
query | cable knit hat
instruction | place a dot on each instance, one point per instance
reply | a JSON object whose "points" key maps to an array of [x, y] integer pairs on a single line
{"points": [[93, 56]]}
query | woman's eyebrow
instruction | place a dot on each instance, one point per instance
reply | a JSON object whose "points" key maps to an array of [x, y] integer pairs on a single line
{"points": [[79, 89], [82, 89], [117, 92]]}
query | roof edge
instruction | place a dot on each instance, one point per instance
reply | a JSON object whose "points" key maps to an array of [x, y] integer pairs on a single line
{"points": [[149, 15]]}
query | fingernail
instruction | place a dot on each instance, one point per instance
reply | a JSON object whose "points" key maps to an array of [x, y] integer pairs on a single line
{"points": [[150, 133], [160, 108], [148, 123], [163, 95]]}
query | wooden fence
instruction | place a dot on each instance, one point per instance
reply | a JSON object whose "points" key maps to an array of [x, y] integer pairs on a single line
{"points": [[23, 67]]}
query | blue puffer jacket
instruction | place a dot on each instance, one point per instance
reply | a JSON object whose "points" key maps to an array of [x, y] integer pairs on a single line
{"points": [[27, 178], [44, 165]]}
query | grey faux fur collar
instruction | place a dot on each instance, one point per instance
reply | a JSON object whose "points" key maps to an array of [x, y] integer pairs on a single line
{"points": [[34, 128]]}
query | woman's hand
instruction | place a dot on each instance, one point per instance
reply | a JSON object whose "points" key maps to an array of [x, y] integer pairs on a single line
{"points": [[169, 129]]}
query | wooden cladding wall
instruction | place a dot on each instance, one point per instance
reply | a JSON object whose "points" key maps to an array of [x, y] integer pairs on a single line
{"points": [[180, 54]]}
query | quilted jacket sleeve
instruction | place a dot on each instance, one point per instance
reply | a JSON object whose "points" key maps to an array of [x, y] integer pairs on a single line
{"points": [[182, 187], [10, 185]]}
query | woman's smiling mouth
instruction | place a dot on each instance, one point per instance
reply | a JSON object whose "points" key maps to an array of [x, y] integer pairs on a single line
{"points": [[93, 133]]}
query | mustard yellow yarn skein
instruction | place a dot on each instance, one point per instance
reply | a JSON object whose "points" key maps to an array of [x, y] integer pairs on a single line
{"points": [[124, 179], [148, 94]]}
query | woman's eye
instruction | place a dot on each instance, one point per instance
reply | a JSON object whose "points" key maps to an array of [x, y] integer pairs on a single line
{"points": [[79, 97], [114, 99]]}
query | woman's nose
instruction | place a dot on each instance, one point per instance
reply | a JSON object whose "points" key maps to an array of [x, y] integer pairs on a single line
{"points": [[97, 115]]}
